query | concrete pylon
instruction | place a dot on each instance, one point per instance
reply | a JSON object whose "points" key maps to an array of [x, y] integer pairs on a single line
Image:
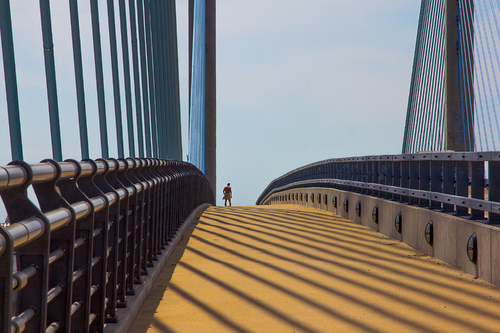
{"points": [[459, 113], [211, 90]]}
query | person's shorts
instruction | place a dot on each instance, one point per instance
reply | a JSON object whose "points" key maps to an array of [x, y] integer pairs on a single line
{"points": [[227, 196]]}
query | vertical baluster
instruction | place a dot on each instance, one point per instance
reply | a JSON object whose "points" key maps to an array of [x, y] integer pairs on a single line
{"points": [[494, 188], [462, 182]]}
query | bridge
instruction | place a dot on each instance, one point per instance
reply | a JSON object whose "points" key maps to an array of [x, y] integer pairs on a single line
{"points": [[133, 241]]}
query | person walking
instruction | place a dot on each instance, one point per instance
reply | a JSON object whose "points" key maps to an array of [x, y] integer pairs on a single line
{"points": [[227, 194]]}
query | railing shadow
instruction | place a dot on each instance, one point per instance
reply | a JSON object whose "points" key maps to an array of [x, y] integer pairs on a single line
{"points": [[247, 253]]}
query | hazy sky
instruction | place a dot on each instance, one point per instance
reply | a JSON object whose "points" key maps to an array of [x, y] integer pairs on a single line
{"points": [[303, 81], [297, 82]]}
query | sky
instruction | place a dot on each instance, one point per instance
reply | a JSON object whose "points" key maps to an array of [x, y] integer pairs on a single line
{"points": [[297, 82], [303, 81]]}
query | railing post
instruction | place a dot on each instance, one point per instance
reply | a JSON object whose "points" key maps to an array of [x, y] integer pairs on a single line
{"points": [[100, 247], [477, 182], [122, 230], [19, 208], [414, 178], [396, 176], [150, 218], [389, 176], [362, 168], [146, 252], [448, 181], [462, 182], [436, 182], [357, 174], [405, 176], [112, 251], [382, 174], [130, 226], [139, 225], [494, 187], [424, 178], [83, 252], [61, 270], [6, 271], [375, 174]]}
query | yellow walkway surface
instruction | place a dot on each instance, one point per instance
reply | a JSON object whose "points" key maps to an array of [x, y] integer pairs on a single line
{"points": [[295, 269]]}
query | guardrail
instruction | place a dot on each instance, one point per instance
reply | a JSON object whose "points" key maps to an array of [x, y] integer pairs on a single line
{"points": [[463, 183], [67, 264]]}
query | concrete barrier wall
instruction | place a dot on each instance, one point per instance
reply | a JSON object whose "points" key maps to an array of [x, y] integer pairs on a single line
{"points": [[450, 233]]}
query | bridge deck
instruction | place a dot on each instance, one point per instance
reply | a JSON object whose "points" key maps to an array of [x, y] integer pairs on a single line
{"points": [[296, 269]]}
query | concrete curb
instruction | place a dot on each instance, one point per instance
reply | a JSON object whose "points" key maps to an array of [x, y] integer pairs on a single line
{"points": [[450, 233], [127, 315]]}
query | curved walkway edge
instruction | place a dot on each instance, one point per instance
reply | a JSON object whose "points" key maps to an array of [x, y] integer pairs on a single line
{"points": [[126, 316]]}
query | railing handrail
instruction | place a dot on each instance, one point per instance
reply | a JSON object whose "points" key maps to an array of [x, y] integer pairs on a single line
{"points": [[444, 179], [100, 224]]}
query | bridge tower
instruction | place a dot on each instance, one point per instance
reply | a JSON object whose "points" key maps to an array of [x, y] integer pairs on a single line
{"points": [[202, 76], [441, 103], [459, 66]]}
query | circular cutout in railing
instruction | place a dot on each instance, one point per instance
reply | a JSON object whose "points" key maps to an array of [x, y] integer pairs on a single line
{"points": [[319, 198], [429, 233], [472, 248], [301, 196], [325, 199], [346, 204], [358, 208], [375, 214], [306, 197], [312, 197], [397, 222], [334, 201]]}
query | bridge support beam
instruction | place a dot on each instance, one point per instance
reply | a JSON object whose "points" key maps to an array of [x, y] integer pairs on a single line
{"points": [[210, 133]]}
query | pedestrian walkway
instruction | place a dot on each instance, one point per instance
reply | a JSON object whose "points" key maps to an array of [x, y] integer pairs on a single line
{"points": [[296, 269]]}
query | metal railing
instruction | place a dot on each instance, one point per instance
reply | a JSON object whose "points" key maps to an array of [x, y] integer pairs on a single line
{"points": [[67, 264], [466, 184]]}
